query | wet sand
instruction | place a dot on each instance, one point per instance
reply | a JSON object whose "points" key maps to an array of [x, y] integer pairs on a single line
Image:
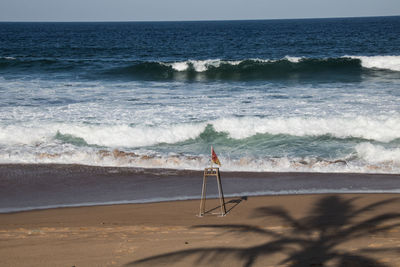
{"points": [[292, 230], [41, 186]]}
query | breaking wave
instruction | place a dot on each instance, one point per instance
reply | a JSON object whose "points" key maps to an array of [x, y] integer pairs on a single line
{"points": [[261, 69], [379, 62], [377, 154], [377, 129], [214, 69], [244, 144], [366, 161]]}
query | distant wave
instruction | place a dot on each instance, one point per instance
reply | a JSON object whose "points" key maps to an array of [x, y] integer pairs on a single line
{"points": [[215, 69], [261, 69], [15, 65], [249, 69], [9, 62]]}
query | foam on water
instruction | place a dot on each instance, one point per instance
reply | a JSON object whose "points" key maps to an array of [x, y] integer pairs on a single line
{"points": [[199, 65], [8, 58], [379, 62], [378, 154], [180, 146], [380, 129], [371, 62], [121, 135], [293, 59], [204, 65], [366, 163], [101, 135]]}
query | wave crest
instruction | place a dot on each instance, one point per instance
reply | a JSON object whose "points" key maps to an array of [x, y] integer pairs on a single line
{"points": [[378, 154], [265, 144], [379, 62], [215, 69], [261, 69], [248, 69], [377, 129]]}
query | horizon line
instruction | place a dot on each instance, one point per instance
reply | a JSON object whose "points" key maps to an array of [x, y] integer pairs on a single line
{"points": [[200, 20]]}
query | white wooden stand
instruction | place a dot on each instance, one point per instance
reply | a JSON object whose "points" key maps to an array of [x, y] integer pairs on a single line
{"points": [[212, 172]]}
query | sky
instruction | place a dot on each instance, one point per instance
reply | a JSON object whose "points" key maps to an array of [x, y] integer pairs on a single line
{"points": [[177, 10]]}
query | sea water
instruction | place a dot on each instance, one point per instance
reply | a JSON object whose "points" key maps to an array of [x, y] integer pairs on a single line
{"points": [[314, 95]]}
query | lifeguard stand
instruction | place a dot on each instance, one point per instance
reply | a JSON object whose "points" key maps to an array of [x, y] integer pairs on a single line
{"points": [[207, 173]]}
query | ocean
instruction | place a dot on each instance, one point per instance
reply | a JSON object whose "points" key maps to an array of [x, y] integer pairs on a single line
{"points": [[308, 95]]}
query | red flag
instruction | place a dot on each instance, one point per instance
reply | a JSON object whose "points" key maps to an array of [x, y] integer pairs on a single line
{"points": [[214, 157]]}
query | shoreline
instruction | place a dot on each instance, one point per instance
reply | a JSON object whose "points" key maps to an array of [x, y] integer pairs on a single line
{"points": [[213, 197], [42, 186], [158, 171]]}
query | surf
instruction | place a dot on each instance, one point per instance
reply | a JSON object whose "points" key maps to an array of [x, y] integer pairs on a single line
{"points": [[248, 69], [287, 68], [380, 128]]}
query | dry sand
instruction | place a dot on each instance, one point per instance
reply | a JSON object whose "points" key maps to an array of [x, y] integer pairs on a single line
{"points": [[298, 230]]}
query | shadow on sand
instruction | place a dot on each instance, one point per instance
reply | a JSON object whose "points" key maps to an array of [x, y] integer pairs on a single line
{"points": [[230, 205], [309, 241]]}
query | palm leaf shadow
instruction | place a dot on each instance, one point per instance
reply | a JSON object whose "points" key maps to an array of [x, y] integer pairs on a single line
{"points": [[309, 241]]}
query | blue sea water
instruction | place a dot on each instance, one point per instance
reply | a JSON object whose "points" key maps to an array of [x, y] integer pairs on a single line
{"points": [[318, 95]]}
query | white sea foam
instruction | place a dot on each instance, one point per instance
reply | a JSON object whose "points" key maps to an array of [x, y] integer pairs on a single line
{"points": [[377, 154], [204, 65], [293, 59], [198, 65], [379, 62], [22, 135], [39, 143], [102, 135], [179, 66], [123, 135], [380, 129], [93, 156]]}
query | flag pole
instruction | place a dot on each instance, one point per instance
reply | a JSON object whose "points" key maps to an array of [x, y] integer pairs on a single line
{"points": [[211, 157]]}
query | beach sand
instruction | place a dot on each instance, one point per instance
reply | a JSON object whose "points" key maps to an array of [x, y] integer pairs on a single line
{"points": [[291, 230]]}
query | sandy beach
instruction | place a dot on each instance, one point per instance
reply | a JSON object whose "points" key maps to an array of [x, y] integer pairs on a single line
{"points": [[299, 230]]}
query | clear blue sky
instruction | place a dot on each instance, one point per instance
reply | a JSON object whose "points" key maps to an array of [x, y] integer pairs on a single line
{"points": [[161, 10]]}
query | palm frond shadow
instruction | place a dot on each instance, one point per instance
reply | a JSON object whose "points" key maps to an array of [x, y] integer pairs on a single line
{"points": [[312, 240]]}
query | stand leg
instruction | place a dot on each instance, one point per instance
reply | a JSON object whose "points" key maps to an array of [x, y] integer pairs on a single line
{"points": [[203, 196], [221, 195]]}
